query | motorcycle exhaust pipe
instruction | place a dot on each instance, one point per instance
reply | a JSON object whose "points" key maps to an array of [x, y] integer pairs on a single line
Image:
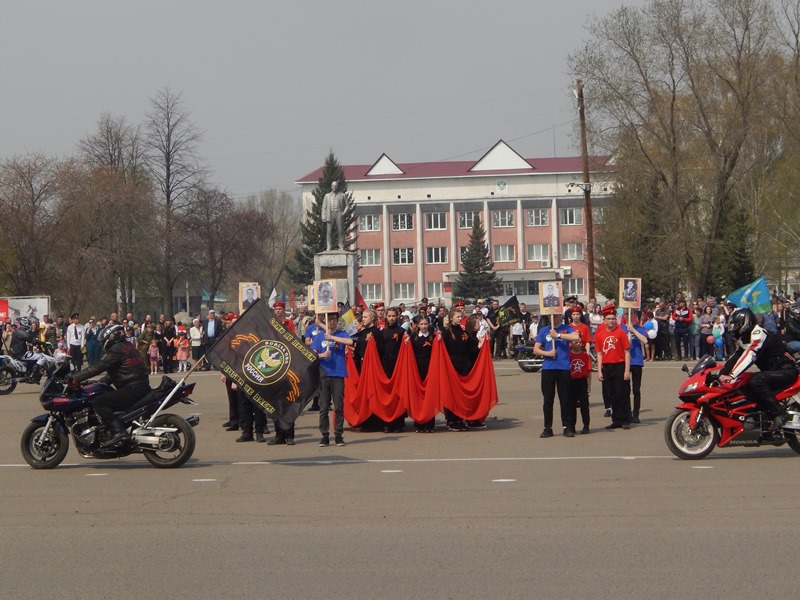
{"points": [[793, 420], [193, 420]]}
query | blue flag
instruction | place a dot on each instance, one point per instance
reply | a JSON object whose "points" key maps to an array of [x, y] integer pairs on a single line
{"points": [[754, 296]]}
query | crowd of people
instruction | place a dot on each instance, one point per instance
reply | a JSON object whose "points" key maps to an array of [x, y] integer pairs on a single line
{"points": [[571, 343]]}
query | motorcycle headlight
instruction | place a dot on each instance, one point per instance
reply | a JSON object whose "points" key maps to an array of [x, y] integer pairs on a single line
{"points": [[690, 388]]}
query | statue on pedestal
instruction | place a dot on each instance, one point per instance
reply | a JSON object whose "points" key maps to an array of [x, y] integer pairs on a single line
{"points": [[333, 206]]}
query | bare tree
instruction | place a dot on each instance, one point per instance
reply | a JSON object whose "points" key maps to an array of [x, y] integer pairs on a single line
{"points": [[171, 151], [29, 191], [680, 92], [283, 212]]}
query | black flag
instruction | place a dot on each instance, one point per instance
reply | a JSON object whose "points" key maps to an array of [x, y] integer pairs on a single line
{"points": [[268, 363], [509, 313]]}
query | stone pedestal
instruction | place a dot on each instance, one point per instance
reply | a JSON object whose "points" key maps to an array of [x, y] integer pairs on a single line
{"points": [[341, 265]]}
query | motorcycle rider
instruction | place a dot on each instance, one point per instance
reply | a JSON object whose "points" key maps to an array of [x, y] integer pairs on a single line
{"points": [[126, 370], [770, 355], [21, 342]]}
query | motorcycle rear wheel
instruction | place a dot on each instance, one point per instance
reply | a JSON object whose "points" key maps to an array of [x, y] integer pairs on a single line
{"points": [[529, 368], [794, 440], [43, 453], [183, 443], [687, 444], [6, 384]]}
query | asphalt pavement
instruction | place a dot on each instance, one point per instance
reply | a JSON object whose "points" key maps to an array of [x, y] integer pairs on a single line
{"points": [[494, 513]]}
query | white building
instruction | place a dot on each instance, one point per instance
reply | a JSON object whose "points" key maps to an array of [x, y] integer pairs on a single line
{"points": [[415, 220]]}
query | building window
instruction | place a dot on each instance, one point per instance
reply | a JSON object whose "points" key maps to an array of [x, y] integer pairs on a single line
{"points": [[404, 291], [573, 286], [598, 215], [462, 250], [436, 255], [538, 251], [502, 218], [370, 257], [403, 222], [437, 220], [571, 251], [466, 219], [536, 217], [503, 253], [403, 256], [571, 216], [369, 223], [434, 289], [372, 292]]}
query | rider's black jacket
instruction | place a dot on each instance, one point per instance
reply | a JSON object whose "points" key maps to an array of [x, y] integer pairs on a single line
{"points": [[20, 340], [123, 364]]}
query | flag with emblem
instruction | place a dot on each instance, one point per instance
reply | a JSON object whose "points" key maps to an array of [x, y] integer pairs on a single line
{"points": [[509, 313], [754, 296], [268, 363]]}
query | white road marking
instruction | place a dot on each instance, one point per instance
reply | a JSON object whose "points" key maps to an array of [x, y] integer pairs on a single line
{"points": [[702, 467], [203, 480], [96, 474], [392, 471], [504, 480]]}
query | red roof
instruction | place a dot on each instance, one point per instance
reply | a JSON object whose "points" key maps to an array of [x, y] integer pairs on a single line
{"points": [[461, 168]]}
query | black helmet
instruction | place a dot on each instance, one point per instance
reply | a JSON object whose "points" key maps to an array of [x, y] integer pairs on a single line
{"points": [[25, 323], [741, 323], [110, 336]]}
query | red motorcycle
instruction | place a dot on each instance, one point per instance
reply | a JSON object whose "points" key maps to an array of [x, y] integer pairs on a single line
{"points": [[716, 414]]}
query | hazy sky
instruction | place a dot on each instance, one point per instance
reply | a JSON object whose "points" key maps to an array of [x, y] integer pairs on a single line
{"points": [[275, 85]]}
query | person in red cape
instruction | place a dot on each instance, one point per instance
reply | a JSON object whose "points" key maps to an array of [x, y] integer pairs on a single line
{"points": [[422, 342], [462, 355], [392, 335]]}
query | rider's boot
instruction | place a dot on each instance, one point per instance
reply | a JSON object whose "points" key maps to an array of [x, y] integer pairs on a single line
{"points": [[777, 413], [36, 374], [118, 429]]}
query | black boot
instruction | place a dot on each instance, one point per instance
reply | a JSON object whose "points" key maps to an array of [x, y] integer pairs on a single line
{"points": [[777, 413], [119, 431], [36, 374]]}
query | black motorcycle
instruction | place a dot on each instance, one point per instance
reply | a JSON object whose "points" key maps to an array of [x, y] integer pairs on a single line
{"points": [[166, 440], [526, 359]]}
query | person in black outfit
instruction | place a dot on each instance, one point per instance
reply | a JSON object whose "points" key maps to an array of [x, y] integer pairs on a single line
{"points": [[392, 335], [422, 342], [21, 340], [251, 417], [369, 332], [125, 370], [777, 368], [458, 345], [232, 424]]}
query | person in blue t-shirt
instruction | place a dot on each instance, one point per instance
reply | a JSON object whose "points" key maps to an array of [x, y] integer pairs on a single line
{"points": [[638, 338], [333, 369], [552, 342]]}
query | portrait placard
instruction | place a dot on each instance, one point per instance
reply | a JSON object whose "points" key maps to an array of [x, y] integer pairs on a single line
{"points": [[630, 292], [249, 292], [326, 295], [551, 299]]}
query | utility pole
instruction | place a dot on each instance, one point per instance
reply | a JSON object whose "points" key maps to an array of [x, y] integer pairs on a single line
{"points": [[587, 191]]}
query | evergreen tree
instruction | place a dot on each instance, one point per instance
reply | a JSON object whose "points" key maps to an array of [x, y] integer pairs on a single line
{"points": [[312, 229], [478, 279]]}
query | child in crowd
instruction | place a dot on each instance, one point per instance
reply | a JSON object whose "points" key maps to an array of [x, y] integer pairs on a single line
{"points": [[580, 367], [182, 351], [154, 354]]}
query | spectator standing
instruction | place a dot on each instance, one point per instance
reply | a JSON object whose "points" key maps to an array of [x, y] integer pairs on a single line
{"points": [[75, 341], [196, 336], [93, 347], [212, 329], [683, 318]]}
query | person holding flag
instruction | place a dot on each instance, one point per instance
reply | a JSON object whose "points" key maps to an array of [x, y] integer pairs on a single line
{"points": [[330, 350]]}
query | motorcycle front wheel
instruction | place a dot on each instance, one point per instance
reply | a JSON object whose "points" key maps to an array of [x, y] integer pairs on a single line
{"points": [[685, 443], [180, 446], [7, 383], [43, 452]]}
